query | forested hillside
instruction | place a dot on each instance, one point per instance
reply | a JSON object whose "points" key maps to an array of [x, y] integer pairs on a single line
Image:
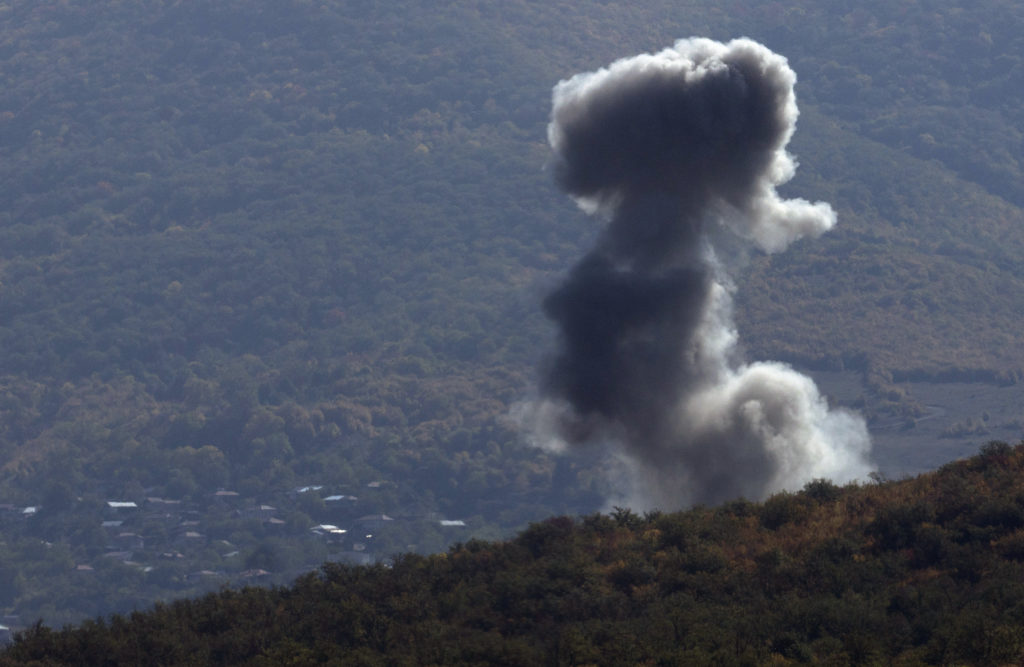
{"points": [[253, 247], [922, 571]]}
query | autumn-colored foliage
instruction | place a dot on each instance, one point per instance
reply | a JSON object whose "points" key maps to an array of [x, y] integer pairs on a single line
{"points": [[920, 571]]}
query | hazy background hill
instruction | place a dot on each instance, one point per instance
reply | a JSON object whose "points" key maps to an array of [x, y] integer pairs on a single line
{"points": [[261, 245]]}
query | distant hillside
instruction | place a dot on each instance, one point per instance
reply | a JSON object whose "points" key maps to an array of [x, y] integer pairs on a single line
{"points": [[920, 571], [262, 245]]}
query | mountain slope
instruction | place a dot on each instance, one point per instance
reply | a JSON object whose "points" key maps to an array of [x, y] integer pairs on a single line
{"points": [[261, 245]]}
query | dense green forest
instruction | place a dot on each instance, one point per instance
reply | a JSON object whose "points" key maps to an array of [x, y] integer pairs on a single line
{"points": [[922, 571], [253, 247]]}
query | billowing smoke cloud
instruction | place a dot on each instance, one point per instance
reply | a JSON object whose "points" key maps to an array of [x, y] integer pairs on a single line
{"points": [[681, 151]]}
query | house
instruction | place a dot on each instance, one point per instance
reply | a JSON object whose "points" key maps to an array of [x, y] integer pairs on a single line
{"points": [[129, 541], [189, 538], [329, 532], [185, 527], [202, 574], [120, 509], [122, 505], [159, 508], [162, 503], [172, 555], [229, 498], [260, 512]]}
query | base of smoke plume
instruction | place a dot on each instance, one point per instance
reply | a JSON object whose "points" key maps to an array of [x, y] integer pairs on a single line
{"points": [[763, 429], [741, 430]]}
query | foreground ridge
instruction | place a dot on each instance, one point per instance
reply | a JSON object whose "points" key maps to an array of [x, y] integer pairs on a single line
{"points": [[921, 570]]}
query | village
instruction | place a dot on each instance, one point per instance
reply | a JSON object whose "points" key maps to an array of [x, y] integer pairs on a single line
{"points": [[224, 538]]}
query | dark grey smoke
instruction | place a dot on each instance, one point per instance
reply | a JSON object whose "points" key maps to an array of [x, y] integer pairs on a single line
{"points": [[680, 150]]}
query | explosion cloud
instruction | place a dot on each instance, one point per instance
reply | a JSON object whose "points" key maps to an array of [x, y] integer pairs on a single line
{"points": [[681, 151]]}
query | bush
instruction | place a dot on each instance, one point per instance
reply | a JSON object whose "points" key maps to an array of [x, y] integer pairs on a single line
{"points": [[823, 490], [780, 509]]}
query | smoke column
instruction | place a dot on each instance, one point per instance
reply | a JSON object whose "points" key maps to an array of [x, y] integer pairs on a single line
{"points": [[681, 152]]}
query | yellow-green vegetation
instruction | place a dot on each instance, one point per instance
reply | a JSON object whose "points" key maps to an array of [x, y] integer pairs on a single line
{"points": [[921, 571]]}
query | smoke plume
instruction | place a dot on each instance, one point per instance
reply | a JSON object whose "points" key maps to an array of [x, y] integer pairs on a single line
{"points": [[681, 152]]}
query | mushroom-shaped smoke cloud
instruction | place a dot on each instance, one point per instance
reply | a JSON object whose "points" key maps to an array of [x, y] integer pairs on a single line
{"points": [[681, 152]]}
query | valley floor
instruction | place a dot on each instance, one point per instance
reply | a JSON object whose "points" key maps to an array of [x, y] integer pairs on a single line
{"points": [[958, 418]]}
